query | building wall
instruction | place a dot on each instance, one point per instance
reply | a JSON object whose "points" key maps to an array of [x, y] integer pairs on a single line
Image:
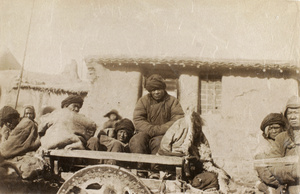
{"points": [[188, 92], [39, 99], [234, 133], [112, 90]]}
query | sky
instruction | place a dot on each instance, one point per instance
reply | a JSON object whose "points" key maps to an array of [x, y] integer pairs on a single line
{"points": [[60, 31]]}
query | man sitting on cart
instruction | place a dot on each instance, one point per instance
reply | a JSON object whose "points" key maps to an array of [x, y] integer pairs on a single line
{"points": [[122, 133], [66, 128], [19, 141], [154, 113]]}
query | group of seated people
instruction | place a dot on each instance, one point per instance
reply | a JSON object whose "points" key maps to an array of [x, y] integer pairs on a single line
{"points": [[281, 134], [159, 127], [155, 114]]}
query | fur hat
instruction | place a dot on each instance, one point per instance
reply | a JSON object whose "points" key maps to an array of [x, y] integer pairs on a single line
{"points": [[154, 82], [125, 124], [7, 113], [113, 111], [72, 99], [293, 102], [272, 118]]}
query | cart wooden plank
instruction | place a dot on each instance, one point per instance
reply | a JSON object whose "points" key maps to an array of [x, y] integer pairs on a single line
{"points": [[129, 157], [288, 160]]}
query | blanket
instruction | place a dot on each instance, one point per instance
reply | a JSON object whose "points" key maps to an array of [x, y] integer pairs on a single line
{"points": [[22, 139], [186, 138], [65, 129]]}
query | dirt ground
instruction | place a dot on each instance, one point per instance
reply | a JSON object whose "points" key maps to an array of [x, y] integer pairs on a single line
{"points": [[13, 185]]}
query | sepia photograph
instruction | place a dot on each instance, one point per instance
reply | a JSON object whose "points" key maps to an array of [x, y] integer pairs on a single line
{"points": [[149, 96]]}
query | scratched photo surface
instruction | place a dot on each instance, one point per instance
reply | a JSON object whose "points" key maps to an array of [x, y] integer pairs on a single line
{"points": [[223, 67]]}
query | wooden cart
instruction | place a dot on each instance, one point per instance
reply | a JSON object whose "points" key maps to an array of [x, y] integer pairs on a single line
{"points": [[103, 178]]}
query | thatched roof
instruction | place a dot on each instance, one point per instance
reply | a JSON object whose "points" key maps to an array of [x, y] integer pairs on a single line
{"points": [[197, 63], [55, 89], [66, 82]]}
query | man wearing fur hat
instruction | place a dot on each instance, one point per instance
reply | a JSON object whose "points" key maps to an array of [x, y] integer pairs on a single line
{"points": [[122, 132], [18, 137], [9, 118], [154, 113], [19, 141], [73, 103], [287, 143], [272, 125], [118, 142], [66, 128]]}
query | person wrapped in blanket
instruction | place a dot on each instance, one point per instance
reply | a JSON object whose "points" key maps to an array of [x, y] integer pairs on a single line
{"points": [[66, 128], [287, 143], [185, 138], [29, 112], [19, 140], [117, 142], [272, 125]]}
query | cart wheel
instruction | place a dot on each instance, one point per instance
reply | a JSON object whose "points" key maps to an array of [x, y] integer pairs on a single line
{"points": [[103, 179]]}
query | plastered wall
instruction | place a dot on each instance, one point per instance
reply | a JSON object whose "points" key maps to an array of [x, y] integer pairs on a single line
{"points": [[235, 132]]}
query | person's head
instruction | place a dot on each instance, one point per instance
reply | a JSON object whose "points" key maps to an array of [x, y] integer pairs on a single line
{"points": [[29, 112], [72, 102], [9, 117], [292, 111], [272, 125], [113, 115], [156, 85], [124, 130]]}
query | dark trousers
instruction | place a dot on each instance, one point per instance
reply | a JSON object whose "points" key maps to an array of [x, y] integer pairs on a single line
{"points": [[142, 143], [108, 144]]}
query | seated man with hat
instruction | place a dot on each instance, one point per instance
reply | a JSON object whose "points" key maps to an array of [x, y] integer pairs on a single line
{"points": [[154, 113], [66, 128], [18, 137], [272, 125], [9, 118], [20, 140], [287, 143], [118, 142]]}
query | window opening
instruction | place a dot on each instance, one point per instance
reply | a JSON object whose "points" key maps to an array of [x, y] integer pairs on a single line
{"points": [[210, 94]]}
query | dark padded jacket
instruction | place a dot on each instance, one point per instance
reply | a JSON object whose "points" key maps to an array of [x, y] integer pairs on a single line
{"points": [[155, 117]]}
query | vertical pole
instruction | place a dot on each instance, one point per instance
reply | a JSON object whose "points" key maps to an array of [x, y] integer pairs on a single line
{"points": [[22, 68]]}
